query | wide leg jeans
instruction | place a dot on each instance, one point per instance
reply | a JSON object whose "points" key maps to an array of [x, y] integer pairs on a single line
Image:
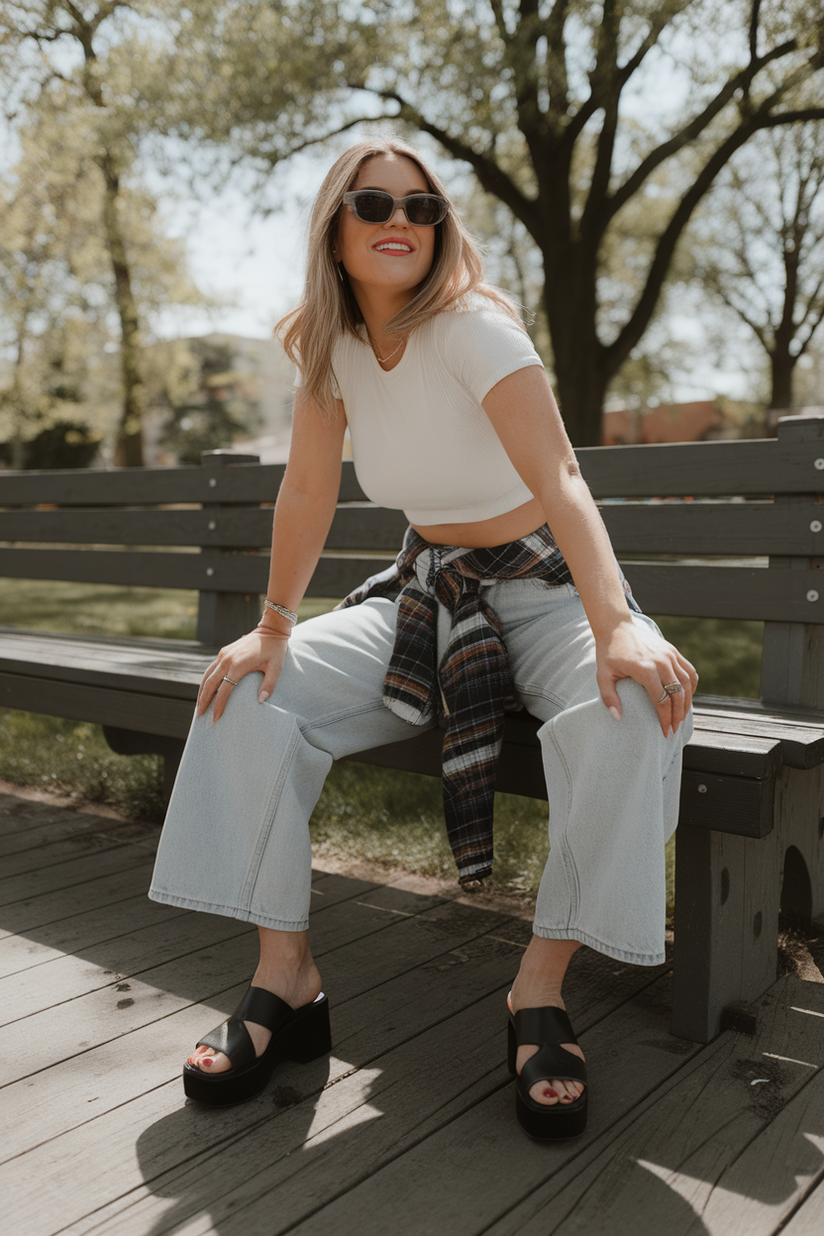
{"points": [[236, 838]]}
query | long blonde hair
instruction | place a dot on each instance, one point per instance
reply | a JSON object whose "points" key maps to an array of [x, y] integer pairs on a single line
{"points": [[329, 308]]}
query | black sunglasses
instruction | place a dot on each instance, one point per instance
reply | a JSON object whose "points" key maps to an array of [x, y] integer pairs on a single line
{"points": [[375, 206]]}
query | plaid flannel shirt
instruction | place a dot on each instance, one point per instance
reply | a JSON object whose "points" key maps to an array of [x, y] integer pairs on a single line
{"points": [[472, 688]]}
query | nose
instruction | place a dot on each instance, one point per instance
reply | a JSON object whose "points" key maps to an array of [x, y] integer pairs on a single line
{"points": [[399, 211]]}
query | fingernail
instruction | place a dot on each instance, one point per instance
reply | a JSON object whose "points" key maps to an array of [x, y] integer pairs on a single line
{"points": [[613, 712], [263, 697]]}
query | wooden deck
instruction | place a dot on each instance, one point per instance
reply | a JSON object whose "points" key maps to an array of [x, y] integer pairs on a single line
{"points": [[409, 1127]]}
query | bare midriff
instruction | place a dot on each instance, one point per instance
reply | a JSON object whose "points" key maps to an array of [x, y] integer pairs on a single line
{"points": [[485, 533]]}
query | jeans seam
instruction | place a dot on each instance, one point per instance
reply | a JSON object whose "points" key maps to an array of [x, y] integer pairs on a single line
{"points": [[567, 856], [341, 716], [253, 870]]}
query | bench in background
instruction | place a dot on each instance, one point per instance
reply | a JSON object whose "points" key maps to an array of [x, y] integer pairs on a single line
{"points": [[748, 545]]}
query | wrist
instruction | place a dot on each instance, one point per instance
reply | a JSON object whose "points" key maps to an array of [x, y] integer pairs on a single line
{"points": [[262, 629]]}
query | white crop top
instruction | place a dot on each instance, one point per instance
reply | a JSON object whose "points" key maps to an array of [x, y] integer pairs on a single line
{"points": [[420, 439]]}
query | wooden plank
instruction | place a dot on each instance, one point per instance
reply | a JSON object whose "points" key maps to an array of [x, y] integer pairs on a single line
{"points": [[708, 1153], [727, 592], [55, 853], [133, 953], [701, 469], [467, 1162], [358, 526], [799, 730], [96, 884], [697, 469], [459, 1052], [34, 884], [242, 483], [743, 806], [751, 529], [62, 825], [334, 575], [129, 664], [150, 714], [82, 934]]}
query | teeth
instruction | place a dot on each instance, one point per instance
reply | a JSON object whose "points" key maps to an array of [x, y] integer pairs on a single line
{"points": [[390, 245]]}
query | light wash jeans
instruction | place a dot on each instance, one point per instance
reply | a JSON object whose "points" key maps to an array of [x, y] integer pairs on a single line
{"points": [[236, 837]]}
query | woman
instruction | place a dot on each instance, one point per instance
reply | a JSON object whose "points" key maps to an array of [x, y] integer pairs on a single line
{"points": [[451, 418]]}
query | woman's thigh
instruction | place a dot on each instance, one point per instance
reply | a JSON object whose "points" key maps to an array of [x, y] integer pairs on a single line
{"points": [[551, 647], [332, 680]]}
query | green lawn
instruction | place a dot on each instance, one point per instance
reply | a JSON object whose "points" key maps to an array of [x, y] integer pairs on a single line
{"points": [[369, 813]]}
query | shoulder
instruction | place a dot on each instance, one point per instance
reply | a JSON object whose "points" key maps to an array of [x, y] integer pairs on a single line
{"points": [[480, 321]]}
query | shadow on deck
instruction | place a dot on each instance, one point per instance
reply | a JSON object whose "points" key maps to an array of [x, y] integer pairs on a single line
{"points": [[409, 1127]]}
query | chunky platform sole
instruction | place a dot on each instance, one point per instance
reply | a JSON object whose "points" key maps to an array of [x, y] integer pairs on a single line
{"points": [[561, 1120], [304, 1037]]}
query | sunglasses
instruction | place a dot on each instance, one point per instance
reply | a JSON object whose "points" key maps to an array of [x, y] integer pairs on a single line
{"points": [[375, 206]]}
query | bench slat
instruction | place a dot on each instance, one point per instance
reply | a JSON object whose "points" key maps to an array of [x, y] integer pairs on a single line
{"points": [[727, 592], [696, 468], [243, 573], [353, 527], [135, 710], [756, 529]]}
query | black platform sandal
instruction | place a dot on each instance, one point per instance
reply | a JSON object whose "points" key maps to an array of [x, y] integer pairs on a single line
{"points": [[297, 1034], [547, 1028]]}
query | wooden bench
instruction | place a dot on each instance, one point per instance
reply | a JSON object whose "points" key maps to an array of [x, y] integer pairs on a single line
{"points": [[747, 545]]}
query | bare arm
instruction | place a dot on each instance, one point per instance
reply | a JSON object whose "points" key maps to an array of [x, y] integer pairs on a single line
{"points": [[303, 514], [525, 416]]}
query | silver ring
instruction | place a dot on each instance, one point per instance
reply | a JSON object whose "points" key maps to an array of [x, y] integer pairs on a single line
{"points": [[231, 680], [671, 689]]}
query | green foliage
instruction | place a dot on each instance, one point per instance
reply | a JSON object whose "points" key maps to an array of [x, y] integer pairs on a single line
{"points": [[73, 758], [726, 653]]}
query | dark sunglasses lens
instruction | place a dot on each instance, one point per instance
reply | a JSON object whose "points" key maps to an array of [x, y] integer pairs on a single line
{"points": [[374, 207], [424, 209]]}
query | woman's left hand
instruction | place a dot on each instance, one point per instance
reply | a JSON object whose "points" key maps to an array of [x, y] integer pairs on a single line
{"points": [[631, 651]]}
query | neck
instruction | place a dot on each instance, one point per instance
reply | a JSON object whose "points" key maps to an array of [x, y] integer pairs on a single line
{"points": [[377, 307]]}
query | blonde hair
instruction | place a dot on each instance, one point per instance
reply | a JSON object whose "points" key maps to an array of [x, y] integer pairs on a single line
{"points": [[329, 308]]}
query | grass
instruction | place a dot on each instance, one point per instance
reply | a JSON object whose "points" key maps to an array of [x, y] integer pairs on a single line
{"points": [[374, 814]]}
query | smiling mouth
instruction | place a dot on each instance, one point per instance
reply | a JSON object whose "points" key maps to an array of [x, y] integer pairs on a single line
{"points": [[393, 246]]}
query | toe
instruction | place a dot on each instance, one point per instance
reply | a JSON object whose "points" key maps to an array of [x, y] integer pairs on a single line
{"points": [[209, 1061]]}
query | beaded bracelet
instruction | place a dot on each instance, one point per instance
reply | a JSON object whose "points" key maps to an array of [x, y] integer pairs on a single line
{"points": [[282, 610]]}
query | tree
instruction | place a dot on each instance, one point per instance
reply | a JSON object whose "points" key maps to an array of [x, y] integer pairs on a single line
{"points": [[72, 301], [764, 249], [91, 60], [540, 98]]}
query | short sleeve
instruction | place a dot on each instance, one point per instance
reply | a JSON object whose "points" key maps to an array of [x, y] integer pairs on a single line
{"points": [[482, 346], [333, 382]]}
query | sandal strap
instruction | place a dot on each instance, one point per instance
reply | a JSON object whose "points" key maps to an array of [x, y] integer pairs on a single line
{"points": [[232, 1038], [264, 1008], [544, 1025], [547, 1028]]}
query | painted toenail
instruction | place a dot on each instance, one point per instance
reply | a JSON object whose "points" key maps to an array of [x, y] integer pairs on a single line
{"points": [[207, 1060]]}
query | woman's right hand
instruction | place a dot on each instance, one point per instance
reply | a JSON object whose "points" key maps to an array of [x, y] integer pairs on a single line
{"points": [[262, 651]]}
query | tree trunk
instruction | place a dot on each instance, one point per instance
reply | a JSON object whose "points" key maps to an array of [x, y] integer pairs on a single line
{"points": [[782, 370], [580, 368], [129, 446]]}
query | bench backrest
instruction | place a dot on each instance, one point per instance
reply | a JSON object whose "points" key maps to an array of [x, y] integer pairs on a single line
{"points": [[695, 525]]}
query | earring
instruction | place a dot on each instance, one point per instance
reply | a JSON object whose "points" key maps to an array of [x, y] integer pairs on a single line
{"points": [[338, 269]]}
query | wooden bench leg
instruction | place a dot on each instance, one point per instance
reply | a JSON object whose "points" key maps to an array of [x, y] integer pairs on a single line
{"points": [[133, 742], [728, 894], [800, 809], [726, 925]]}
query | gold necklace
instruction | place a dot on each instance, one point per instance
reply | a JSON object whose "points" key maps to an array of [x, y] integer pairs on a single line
{"points": [[384, 359]]}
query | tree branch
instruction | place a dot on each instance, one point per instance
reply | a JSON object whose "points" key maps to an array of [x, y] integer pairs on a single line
{"points": [[695, 127], [616, 352], [492, 177]]}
